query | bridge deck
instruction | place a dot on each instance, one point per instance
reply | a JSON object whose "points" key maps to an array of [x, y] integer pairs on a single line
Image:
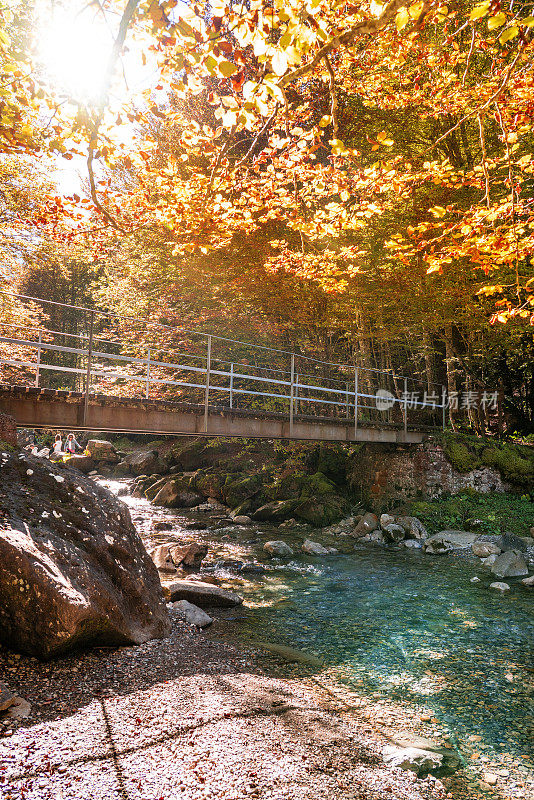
{"points": [[48, 408]]}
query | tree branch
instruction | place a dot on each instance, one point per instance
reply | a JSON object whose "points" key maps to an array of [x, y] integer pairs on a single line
{"points": [[114, 56], [333, 98]]}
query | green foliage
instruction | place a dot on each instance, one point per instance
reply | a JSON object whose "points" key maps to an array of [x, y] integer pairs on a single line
{"points": [[483, 513]]}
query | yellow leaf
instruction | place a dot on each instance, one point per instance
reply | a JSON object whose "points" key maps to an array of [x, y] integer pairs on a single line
{"points": [[402, 18], [528, 21], [509, 33], [480, 10], [438, 211], [496, 21], [226, 68], [415, 10], [324, 121]]}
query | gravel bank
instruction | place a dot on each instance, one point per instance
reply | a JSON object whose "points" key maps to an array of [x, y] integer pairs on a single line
{"points": [[191, 718]]}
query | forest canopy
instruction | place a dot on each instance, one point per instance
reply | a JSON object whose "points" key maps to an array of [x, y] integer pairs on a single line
{"points": [[353, 180]]}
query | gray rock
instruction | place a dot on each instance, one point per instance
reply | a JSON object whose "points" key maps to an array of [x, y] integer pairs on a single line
{"points": [[145, 463], [385, 520], [367, 524], [173, 495], [485, 549], [445, 541], [278, 548], [316, 549], [192, 614], [202, 594], [394, 533], [499, 586], [242, 519], [412, 758], [510, 564], [474, 580], [101, 450], [528, 581], [374, 536], [489, 561], [412, 544]]}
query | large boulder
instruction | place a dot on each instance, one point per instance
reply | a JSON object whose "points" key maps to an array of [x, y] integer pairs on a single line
{"points": [[201, 594], [74, 571], [173, 495], [445, 541], [274, 511], [81, 462], [412, 758], [168, 557], [414, 527], [368, 523], [510, 564], [101, 450], [145, 463], [394, 532]]}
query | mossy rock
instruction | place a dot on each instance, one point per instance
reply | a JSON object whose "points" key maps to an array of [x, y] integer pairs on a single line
{"points": [[210, 484], [510, 463], [291, 485], [332, 462], [459, 456], [237, 491], [322, 511], [317, 484]]}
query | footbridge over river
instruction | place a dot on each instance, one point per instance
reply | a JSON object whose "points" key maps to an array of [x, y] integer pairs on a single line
{"points": [[68, 367]]}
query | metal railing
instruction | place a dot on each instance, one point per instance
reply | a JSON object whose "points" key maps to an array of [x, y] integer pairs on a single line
{"points": [[123, 356]]}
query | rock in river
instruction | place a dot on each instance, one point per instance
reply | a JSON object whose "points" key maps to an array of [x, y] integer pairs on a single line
{"points": [[499, 586], [509, 565], [316, 549], [444, 541], [411, 758], [74, 571], [485, 549], [192, 614], [278, 548], [367, 524], [202, 594]]}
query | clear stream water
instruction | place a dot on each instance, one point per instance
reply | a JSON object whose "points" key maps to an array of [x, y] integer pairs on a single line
{"points": [[393, 623]]}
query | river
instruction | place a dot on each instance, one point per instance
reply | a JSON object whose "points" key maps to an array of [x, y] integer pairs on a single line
{"points": [[395, 624]]}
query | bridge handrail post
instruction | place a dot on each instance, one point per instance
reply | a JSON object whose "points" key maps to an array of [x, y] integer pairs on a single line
{"points": [[443, 400], [207, 390], [292, 395], [88, 373], [406, 405], [296, 394], [38, 366], [356, 375], [347, 400], [232, 385], [147, 392]]}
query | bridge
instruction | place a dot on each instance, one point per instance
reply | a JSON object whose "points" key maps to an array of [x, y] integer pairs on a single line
{"points": [[85, 369]]}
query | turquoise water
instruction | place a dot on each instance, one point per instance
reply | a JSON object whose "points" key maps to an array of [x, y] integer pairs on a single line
{"points": [[413, 629], [391, 623]]}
